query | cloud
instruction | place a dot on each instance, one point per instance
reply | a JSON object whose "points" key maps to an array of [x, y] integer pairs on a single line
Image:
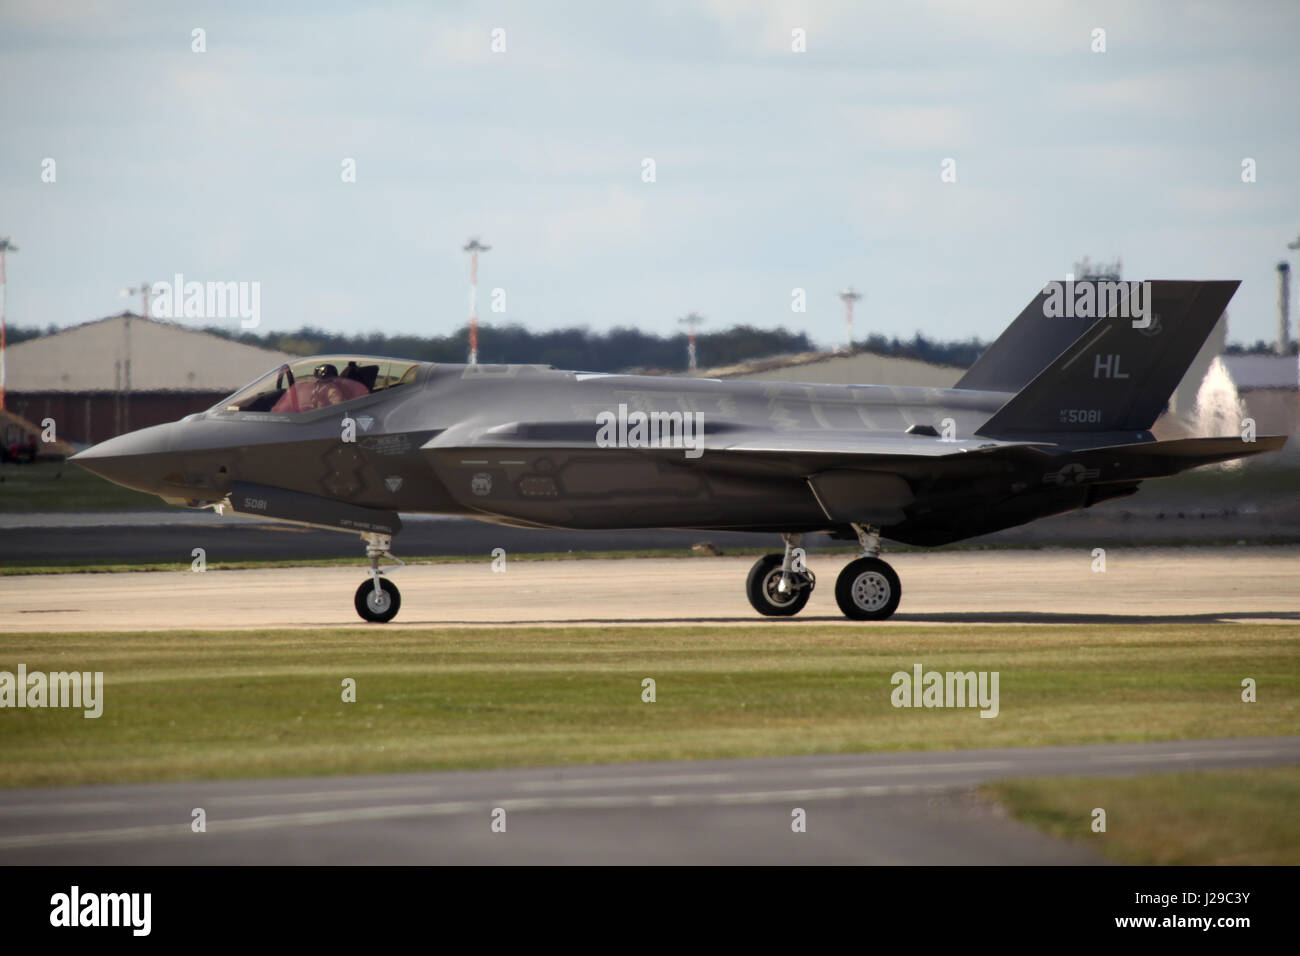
{"points": [[775, 168], [941, 128]]}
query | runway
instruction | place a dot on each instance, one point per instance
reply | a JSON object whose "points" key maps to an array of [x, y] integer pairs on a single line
{"points": [[961, 588], [170, 536], [887, 808]]}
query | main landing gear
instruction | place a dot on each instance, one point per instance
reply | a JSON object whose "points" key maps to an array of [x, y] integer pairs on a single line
{"points": [[378, 599], [867, 589]]}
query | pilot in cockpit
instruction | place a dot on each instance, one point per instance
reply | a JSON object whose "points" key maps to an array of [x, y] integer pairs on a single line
{"points": [[325, 388]]}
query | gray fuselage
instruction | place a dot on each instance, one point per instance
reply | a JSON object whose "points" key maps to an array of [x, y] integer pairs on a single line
{"points": [[518, 445]]}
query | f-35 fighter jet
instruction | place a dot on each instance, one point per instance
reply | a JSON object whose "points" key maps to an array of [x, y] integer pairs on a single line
{"points": [[1055, 416]]}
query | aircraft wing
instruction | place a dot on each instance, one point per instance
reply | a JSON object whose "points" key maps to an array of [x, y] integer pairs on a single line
{"points": [[721, 439], [855, 477], [861, 466], [857, 445]]}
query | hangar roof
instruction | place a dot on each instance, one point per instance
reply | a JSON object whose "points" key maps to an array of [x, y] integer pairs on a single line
{"points": [[165, 356], [840, 368], [1263, 371]]}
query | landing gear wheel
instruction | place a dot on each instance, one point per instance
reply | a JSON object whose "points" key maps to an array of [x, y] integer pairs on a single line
{"points": [[763, 587], [868, 590], [379, 608]]}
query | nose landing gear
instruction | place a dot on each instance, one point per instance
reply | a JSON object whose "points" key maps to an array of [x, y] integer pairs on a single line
{"points": [[779, 585], [378, 600]]}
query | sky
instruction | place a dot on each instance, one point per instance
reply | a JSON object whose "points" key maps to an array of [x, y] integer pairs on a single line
{"points": [[774, 169]]}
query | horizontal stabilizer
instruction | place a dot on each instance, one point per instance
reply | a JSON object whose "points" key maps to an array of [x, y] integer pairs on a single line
{"points": [[1196, 451]]}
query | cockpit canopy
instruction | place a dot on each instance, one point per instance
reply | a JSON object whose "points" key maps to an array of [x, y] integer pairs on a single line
{"points": [[319, 382]]}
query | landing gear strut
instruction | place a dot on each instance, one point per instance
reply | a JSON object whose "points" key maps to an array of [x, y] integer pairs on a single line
{"points": [[868, 589], [378, 599], [779, 585]]}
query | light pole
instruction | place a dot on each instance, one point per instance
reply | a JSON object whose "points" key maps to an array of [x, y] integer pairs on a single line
{"points": [[1284, 318], [125, 397], [1283, 344], [690, 321], [473, 247], [143, 289], [6, 247], [848, 297]]}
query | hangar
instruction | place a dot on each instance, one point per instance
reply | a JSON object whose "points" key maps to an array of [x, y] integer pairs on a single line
{"points": [[124, 372], [1264, 385], [842, 368], [1269, 388]]}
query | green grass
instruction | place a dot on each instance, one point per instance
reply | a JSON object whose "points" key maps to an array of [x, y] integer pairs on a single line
{"points": [[241, 704], [1221, 818], [60, 486]]}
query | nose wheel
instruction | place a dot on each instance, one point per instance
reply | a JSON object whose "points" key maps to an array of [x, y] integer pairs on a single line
{"points": [[378, 599], [779, 585]]}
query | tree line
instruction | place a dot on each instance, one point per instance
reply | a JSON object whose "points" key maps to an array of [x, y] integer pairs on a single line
{"points": [[616, 350]]}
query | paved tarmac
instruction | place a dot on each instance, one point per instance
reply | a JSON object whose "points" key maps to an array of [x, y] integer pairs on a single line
{"points": [[959, 588], [884, 808], [171, 535]]}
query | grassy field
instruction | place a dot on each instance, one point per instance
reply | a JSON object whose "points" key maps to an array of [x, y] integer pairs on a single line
{"points": [[60, 486], [1236, 817], [212, 704]]}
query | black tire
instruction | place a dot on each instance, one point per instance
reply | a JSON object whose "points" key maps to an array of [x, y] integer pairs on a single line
{"points": [[868, 590], [383, 610], [761, 585]]}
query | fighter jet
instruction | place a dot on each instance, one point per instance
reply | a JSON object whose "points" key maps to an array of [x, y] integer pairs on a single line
{"points": [[1055, 416]]}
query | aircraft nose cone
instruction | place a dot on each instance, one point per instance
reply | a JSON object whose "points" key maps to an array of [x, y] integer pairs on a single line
{"points": [[134, 460]]}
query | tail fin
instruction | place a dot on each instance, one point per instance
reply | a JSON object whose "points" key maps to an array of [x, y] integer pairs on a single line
{"points": [[1025, 348], [1114, 377]]}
